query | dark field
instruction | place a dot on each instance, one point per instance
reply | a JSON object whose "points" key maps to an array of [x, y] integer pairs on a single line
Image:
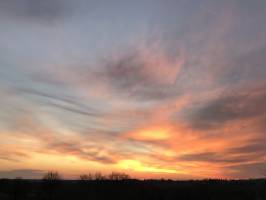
{"points": [[133, 190]]}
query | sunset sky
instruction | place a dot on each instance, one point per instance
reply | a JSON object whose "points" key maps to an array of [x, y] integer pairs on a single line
{"points": [[153, 88]]}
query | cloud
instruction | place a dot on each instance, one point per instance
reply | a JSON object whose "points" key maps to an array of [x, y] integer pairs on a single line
{"points": [[12, 157], [258, 148], [226, 108], [151, 134], [249, 170], [87, 152], [212, 157], [37, 11], [245, 68], [61, 101], [146, 73], [27, 173]]}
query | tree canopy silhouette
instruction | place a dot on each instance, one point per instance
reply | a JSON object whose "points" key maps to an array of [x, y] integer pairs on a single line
{"points": [[51, 180]]}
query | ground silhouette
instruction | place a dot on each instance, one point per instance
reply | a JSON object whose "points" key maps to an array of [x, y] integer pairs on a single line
{"points": [[119, 186]]}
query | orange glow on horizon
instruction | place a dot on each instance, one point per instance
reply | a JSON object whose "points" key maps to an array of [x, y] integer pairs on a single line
{"points": [[135, 165]]}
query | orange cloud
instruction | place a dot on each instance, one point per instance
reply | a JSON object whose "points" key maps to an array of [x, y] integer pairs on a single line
{"points": [[135, 165], [153, 133]]}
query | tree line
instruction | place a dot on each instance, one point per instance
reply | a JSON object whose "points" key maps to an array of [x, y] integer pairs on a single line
{"points": [[119, 186]]}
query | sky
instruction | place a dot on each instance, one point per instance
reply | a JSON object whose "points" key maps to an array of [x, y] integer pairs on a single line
{"points": [[153, 88]]}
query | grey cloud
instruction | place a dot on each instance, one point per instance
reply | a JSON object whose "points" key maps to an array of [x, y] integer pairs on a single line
{"points": [[127, 76], [36, 10], [249, 66], [217, 112], [76, 106], [90, 153], [235, 159], [262, 124], [24, 173], [13, 156], [258, 147], [61, 98], [252, 170], [66, 103], [75, 110], [7, 158], [213, 157]]}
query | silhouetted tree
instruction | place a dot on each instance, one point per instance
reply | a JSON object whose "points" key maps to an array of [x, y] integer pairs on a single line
{"points": [[51, 181], [86, 177], [115, 176], [208, 189], [98, 176]]}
